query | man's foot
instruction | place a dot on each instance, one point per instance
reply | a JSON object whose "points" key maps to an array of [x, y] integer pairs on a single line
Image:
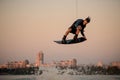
{"points": [[75, 39], [64, 40]]}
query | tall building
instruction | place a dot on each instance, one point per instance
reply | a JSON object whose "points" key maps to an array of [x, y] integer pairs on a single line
{"points": [[39, 59], [74, 62]]}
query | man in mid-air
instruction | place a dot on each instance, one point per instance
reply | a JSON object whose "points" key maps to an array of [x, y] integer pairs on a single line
{"points": [[75, 28]]}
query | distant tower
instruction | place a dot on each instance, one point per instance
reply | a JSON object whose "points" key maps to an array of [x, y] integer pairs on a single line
{"points": [[40, 59], [74, 62]]}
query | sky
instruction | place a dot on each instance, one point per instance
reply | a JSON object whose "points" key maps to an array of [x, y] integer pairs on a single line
{"points": [[30, 26]]}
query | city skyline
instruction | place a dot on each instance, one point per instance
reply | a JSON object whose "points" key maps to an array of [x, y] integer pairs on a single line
{"points": [[60, 67], [27, 27], [39, 61]]}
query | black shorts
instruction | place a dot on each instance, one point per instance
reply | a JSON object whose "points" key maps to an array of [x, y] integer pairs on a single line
{"points": [[73, 29]]}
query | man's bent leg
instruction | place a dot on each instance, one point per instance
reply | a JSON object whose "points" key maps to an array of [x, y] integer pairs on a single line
{"points": [[76, 34], [75, 38], [66, 33]]}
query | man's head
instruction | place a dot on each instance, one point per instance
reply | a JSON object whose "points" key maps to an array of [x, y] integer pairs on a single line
{"points": [[87, 20]]}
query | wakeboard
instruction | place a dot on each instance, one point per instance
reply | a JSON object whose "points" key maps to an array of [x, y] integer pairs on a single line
{"points": [[71, 41]]}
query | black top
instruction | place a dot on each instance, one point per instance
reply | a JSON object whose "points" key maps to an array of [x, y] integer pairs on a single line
{"points": [[79, 22]]}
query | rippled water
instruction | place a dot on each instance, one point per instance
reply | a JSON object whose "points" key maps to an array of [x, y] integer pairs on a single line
{"points": [[60, 77]]}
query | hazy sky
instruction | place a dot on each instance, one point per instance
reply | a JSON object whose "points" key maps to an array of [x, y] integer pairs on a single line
{"points": [[30, 26]]}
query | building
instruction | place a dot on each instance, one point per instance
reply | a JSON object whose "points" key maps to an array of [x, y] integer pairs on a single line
{"points": [[116, 64], [39, 59], [99, 64], [67, 63], [3, 66], [17, 64]]}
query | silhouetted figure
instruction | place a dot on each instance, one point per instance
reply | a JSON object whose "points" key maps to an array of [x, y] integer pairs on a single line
{"points": [[76, 27]]}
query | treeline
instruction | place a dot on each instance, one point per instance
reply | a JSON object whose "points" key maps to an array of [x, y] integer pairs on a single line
{"points": [[18, 71], [77, 70], [89, 70]]}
